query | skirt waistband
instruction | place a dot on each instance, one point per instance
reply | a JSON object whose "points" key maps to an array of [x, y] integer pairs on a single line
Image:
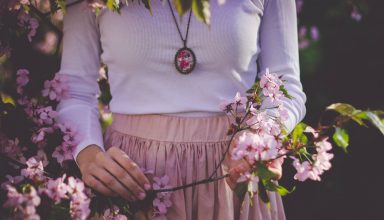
{"points": [[171, 128]]}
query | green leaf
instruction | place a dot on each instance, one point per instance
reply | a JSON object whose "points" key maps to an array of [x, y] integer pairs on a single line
{"points": [[201, 10], [348, 111], [182, 6], [285, 92], [281, 190], [375, 120], [147, 4], [298, 135], [263, 172], [342, 108], [341, 138], [263, 193], [241, 189]]}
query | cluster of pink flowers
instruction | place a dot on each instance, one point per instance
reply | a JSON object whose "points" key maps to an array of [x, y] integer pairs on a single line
{"points": [[65, 149], [56, 189], [256, 147], [11, 148], [261, 141], [163, 200], [29, 23], [263, 124], [321, 161], [270, 84], [23, 204], [34, 170], [55, 89], [44, 115], [308, 36], [79, 205]]}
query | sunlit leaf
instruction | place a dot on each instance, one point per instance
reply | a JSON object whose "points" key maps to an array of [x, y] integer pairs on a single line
{"points": [[374, 118], [298, 135], [201, 10], [341, 138], [342, 108], [182, 6]]}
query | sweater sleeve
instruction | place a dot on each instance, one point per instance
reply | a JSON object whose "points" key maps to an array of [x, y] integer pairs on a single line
{"points": [[279, 53], [80, 64]]}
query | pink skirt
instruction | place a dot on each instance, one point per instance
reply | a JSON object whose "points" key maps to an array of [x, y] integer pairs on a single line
{"points": [[188, 149]]}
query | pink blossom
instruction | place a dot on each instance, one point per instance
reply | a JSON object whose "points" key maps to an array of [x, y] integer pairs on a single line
{"points": [[40, 135], [304, 171], [270, 83], [12, 180], [29, 23], [113, 214], [262, 123], [55, 89], [321, 163], [56, 189], [254, 147], [237, 103], [315, 35], [161, 182], [15, 199], [309, 129], [63, 153], [253, 181], [12, 149], [79, 204], [283, 113], [21, 80], [355, 14], [34, 170], [163, 200], [299, 5], [45, 115], [323, 145], [42, 156], [23, 204]]}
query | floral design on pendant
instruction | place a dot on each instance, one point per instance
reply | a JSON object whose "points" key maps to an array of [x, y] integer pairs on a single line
{"points": [[185, 60]]}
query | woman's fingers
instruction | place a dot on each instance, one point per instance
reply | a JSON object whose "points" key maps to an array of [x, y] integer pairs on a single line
{"points": [[131, 167], [123, 177], [112, 183], [97, 185]]}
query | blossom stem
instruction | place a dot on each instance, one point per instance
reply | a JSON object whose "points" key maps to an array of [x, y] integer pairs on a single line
{"points": [[208, 180]]}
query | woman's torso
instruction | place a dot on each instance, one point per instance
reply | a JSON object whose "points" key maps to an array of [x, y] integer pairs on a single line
{"points": [[139, 51]]}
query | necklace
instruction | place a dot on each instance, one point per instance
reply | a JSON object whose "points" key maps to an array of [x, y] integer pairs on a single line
{"points": [[185, 59]]}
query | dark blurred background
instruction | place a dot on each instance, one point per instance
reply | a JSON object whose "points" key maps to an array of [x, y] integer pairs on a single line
{"points": [[346, 64]]}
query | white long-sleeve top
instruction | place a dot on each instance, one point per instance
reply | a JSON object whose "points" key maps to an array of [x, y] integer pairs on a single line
{"points": [[139, 51]]}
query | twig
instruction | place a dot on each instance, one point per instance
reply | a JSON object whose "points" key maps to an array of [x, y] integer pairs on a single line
{"points": [[208, 180]]}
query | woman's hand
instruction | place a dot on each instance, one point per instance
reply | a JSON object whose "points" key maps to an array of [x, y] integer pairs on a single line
{"points": [[239, 167], [112, 173]]}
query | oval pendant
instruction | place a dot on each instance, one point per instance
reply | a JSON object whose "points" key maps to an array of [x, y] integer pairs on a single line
{"points": [[185, 60]]}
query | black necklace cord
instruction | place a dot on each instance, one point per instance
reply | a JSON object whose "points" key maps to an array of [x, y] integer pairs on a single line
{"points": [[177, 26]]}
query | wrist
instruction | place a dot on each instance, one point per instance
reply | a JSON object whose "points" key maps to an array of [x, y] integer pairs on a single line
{"points": [[87, 154]]}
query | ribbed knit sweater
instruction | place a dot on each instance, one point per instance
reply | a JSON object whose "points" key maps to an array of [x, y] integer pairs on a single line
{"points": [[139, 51]]}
